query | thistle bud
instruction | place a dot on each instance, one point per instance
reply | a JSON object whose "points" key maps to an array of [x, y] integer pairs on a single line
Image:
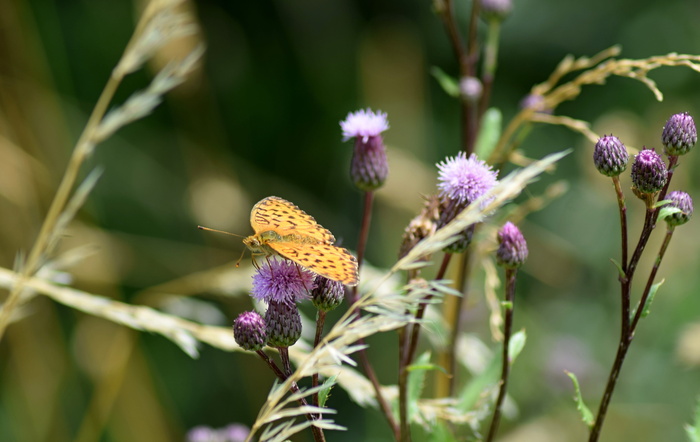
{"points": [[328, 294], [470, 89], [649, 172], [249, 331], [684, 203], [679, 134], [496, 9], [369, 166], [283, 324], [610, 156], [512, 248]]}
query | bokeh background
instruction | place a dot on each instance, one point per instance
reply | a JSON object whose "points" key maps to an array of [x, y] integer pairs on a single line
{"points": [[261, 118]]}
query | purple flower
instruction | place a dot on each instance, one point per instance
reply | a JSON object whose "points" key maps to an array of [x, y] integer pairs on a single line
{"points": [[497, 9], [679, 134], [682, 201], [369, 166], [648, 172], [235, 432], [364, 124], [249, 331], [281, 281], [202, 434], [610, 156], [465, 179], [512, 248], [471, 89], [283, 324]]}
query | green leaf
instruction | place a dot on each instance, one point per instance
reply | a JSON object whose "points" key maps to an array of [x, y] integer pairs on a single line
{"points": [[489, 134], [652, 292], [661, 203], [586, 415], [440, 432], [324, 394], [516, 345], [416, 381], [619, 268], [448, 84], [473, 390], [667, 211], [693, 430]]}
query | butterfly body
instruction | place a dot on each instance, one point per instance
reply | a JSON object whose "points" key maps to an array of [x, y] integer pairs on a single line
{"points": [[281, 228]]}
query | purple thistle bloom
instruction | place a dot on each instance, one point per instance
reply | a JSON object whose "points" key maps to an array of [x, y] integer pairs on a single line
{"points": [[249, 331], [281, 281], [497, 9], [202, 434], [328, 294], [465, 179], [679, 134], [283, 324], [471, 89], [610, 156], [364, 124], [682, 201], [235, 433], [648, 172], [369, 166], [512, 247]]}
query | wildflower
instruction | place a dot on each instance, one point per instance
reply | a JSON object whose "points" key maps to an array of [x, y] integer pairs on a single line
{"points": [[327, 294], [648, 172], [684, 203], [249, 331], [281, 281], [462, 180], [496, 9], [369, 166], [512, 248], [679, 134], [283, 324], [610, 156]]}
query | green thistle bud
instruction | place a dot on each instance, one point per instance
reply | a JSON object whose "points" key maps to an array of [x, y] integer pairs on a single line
{"points": [[684, 203], [283, 324], [328, 294]]}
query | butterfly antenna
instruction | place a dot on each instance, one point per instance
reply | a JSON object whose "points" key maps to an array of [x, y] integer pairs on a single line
{"points": [[219, 231]]}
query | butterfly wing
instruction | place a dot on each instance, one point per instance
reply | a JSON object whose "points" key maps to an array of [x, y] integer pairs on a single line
{"points": [[327, 260], [275, 213]]}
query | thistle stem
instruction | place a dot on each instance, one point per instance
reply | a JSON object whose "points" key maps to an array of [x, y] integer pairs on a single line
{"points": [[505, 363]]}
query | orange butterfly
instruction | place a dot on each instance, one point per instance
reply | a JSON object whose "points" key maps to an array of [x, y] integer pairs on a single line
{"points": [[281, 228]]}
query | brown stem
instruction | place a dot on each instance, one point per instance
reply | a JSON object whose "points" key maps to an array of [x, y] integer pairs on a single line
{"points": [[320, 320], [623, 220], [505, 363]]}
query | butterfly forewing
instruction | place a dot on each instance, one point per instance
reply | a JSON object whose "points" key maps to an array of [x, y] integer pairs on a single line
{"points": [[327, 260], [283, 217]]}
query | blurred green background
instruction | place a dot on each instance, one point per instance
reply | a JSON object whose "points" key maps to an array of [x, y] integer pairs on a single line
{"points": [[261, 118]]}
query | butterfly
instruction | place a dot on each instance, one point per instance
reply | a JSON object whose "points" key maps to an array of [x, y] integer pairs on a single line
{"points": [[281, 228]]}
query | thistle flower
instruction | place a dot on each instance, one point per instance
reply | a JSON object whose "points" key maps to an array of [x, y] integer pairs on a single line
{"points": [[283, 324], [496, 9], [328, 294], [648, 172], [462, 180], [369, 166], [281, 281], [684, 203], [512, 248], [610, 156], [679, 134], [249, 331]]}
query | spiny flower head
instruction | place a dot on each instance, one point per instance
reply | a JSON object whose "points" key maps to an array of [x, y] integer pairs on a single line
{"points": [[512, 248], [369, 166], [610, 156], [283, 324], [281, 281], [328, 294], [465, 179], [684, 203], [249, 331], [679, 134], [649, 172]]}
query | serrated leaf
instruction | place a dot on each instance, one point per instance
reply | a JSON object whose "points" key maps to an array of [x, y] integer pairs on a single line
{"points": [[693, 430], [448, 83], [516, 345], [586, 415], [325, 393], [489, 134]]}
